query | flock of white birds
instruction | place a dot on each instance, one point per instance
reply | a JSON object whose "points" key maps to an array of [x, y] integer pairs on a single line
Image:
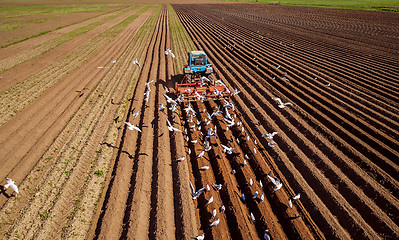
{"points": [[211, 132]]}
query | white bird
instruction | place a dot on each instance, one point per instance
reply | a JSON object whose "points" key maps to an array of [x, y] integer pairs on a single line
{"points": [[181, 159], [252, 217], [169, 99], [194, 193], [208, 188], [192, 188], [147, 84], [254, 150], [201, 154], [269, 135], [214, 213], [262, 197], [200, 237], [207, 146], [204, 168], [114, 61], [161, 107], [132, 127], [228, 150], [209, 201], [255, 195], [171, 128], [328, 84], [243, 197], [245, 162], [189, 151], [11, 183], [272, 144], [222, 208], [166, 89], [136, 114], [217, 186], [266, 236], [297, 196], [281, 104], [290, 203], [235, 92], [238, 141], [246, 157], [214, 223], [255, 142], [194, 141], [276, 182], [260, 183], [169, 52], [251, 182], [136, 62]]}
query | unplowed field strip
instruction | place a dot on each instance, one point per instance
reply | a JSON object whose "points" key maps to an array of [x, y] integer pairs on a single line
{"points": [[320, 134], [53, 47], [63, 169]]}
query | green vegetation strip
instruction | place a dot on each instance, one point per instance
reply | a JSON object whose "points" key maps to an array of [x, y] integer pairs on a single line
{"points": [[179, 37], [372, 5]]}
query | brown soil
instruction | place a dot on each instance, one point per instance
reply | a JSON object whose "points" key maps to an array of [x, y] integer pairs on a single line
{"points": [[83, 174]]}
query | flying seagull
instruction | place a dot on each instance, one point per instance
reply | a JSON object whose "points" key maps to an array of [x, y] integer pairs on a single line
{"points": [[215, 223], [136, 114], [194, 193], [200, 237], [201, 155], [296, 196], [281, 104], [269, 135], [161, 107], [228, 150], [171, 128], [217, 186], [272, 144], [276, 182], [11, 183], [169, 52], [214, 213], [255, 195], [209, 201], [132, 127], [204, 168], [136, 62]]}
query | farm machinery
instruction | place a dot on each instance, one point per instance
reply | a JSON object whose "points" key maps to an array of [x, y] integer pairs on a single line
{"points": [[199, 81]]}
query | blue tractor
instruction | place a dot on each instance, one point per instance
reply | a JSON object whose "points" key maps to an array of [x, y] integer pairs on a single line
{"points": [[198, 82], [197, 67]]}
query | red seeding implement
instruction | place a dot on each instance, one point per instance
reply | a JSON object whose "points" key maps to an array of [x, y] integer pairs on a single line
{"points": [[198, 82]]}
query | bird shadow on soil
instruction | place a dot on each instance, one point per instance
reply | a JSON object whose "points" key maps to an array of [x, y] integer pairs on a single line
{"points": [[123, 151], [3, 191]]}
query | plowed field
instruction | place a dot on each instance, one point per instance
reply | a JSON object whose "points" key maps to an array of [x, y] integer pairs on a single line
{"points": [[83, 174]]}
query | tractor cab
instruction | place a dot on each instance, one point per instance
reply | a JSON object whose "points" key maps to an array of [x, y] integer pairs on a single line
{"points": [[197, 66]]}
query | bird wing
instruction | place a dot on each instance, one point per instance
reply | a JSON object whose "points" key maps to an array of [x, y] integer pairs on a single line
{"points": [[192, 188], [14, 187], [272, 179]]}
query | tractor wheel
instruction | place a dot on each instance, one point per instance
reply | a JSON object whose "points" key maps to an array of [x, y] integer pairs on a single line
{"points": [[212, 81], [188, 78]]}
